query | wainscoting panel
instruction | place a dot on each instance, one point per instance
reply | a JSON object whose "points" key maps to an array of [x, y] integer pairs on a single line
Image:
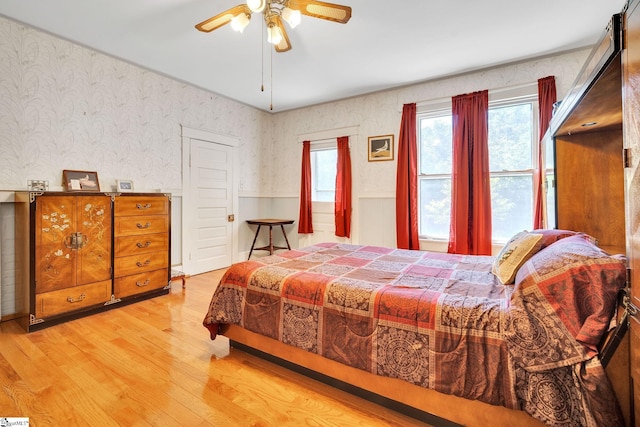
{"points": [[377, 221]]}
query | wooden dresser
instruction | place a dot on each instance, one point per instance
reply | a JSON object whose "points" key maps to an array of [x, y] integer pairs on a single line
{"points": [[141, 244], [88, 252]]}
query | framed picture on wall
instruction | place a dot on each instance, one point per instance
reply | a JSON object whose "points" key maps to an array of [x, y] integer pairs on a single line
{"points": [[80, 180], [124, 185], [380, 148]]}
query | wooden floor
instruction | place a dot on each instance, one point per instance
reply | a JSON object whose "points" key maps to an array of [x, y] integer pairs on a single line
{"points": [[152, 363]]}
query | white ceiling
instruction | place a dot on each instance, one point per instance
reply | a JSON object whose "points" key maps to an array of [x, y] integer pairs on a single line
{"points": [[386, 44]]}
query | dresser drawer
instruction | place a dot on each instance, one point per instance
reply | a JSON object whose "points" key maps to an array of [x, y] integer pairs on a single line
{"points": [[74, 298], [136, 225], [141, 205], [134, 264], [132, 245], [139, 283]]}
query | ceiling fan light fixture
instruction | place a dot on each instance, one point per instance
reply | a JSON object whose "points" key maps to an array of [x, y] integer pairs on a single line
{"points": [[274, 35], [256, 6], [291, 16], [240, 22]]}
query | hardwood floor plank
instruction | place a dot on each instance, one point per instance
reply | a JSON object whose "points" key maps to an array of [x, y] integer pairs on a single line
{"points": [[152, 363]]}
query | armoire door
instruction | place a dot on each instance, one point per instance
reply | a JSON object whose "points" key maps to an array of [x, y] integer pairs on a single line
{"points": [[93, 238], [73, 241], [55, 260], [631, 121]]}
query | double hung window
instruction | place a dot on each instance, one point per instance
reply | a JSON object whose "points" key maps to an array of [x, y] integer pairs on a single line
{"points": [[324, 159], [513, 145]]}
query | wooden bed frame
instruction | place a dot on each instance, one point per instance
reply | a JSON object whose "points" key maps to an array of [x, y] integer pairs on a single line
{"points": [[421, 403]]}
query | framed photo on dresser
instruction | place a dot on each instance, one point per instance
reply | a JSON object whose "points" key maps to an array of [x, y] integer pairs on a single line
{"points": [[124, 185], [73, 180]]}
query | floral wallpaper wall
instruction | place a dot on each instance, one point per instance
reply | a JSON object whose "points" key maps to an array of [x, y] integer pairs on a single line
{"points": [[380, 114], [64, 106]]}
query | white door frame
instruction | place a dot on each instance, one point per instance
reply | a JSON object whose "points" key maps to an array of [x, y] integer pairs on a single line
{"points": [[207, 136]]}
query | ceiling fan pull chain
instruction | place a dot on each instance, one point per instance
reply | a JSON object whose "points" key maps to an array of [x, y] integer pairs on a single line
{"points": [[271, 95], [262, 56]]}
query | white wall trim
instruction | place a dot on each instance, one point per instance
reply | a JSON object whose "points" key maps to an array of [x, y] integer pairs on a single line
{"points": [[377, 196], [205, 135], [328, 134]]}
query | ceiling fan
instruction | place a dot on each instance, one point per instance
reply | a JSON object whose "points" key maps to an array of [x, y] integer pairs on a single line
{"points": [[274, 12]]}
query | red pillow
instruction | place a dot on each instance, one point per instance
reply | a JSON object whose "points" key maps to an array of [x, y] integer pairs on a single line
{"points": [[579, 282], [550, 236]]}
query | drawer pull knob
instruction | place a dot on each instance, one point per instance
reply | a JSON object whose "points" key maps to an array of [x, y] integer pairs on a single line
{"points": [[142, 207], [143, 245], [147, 225], [80, 298], [142, 264], [141, 284]]}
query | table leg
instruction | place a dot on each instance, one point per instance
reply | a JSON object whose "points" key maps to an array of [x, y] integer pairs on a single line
{"points": [[270, 240], [285, 236], [254, 241]]}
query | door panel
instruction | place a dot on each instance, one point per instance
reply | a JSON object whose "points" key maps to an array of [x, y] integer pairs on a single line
{"points": [[631, 127], [94, 222], [55, 222], [211, 191]]}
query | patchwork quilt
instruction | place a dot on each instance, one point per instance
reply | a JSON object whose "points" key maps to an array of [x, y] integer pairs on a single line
{"points": [[443, 321]]}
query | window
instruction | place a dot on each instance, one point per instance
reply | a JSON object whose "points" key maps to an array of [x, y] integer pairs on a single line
{"points": [[512, 131], [323, 173]]}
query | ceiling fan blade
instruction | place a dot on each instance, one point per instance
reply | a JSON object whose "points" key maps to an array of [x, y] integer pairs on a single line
{"points": [[222, 18], [284, 44], [319, 9]]}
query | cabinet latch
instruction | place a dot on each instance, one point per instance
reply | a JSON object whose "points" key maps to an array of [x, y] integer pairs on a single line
{"points": [[75, 241], [626, 155]]}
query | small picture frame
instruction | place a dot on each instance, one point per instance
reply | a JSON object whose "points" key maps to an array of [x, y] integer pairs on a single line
{"points": [[38, 184], [380, 148], [73, 180], [124, 185]]}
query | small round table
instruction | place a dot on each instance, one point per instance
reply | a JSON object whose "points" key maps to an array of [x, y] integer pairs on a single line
{"points": [[271, 223]]}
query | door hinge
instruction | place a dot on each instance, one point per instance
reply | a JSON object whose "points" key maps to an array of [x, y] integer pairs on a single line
{"points": [[628, 278], [630, 308], [626, 155]]}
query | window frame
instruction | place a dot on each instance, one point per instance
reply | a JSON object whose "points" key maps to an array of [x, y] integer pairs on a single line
{"points": [[315, 147], [526, 94]]}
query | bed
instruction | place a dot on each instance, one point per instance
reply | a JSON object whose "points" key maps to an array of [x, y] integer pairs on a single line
{"points": [[506, 340]]}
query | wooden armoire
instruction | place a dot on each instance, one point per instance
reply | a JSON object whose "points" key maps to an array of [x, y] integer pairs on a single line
{"points": [[595, 133], [80, 253]]}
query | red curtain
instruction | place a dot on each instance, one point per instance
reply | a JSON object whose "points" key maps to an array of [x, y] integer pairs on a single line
{"points": [[305, 225], [546, 99], [470, 231], [342, 206], [407, 181]]}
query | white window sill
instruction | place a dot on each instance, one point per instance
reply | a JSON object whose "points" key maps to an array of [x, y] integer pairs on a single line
{"points": [[437, 245]]}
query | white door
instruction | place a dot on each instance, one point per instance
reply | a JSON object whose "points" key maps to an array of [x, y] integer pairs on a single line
{"points": [[208, 226]]}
